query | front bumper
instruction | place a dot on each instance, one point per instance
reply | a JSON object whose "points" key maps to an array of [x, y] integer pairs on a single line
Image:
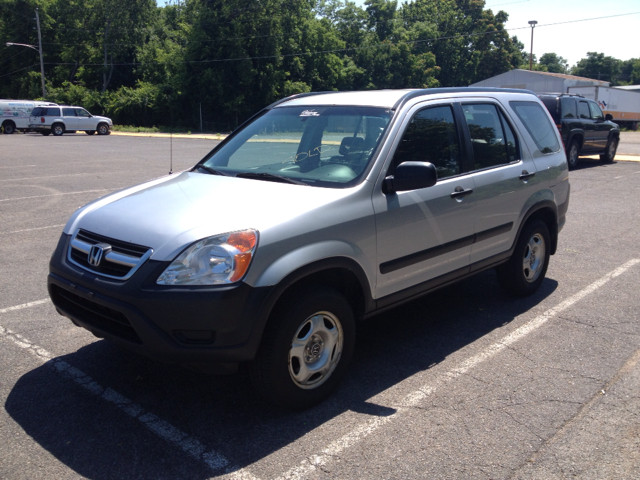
{"points": [[187, 325]]}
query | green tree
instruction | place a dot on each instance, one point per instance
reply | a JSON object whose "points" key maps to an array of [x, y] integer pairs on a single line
{"points": [[599, 67], [554, 63]]}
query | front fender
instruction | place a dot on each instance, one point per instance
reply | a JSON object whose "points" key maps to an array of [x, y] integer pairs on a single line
{"points": [[297, 259]]}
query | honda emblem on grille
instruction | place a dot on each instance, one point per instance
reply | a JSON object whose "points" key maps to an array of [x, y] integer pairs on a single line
{"points": [[97, 253]]}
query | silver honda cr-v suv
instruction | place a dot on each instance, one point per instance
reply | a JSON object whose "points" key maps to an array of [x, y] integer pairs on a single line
{"points": [[318, 212]]}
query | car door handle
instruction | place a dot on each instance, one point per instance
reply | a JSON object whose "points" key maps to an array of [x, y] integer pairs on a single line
{"points": [[461, 192], [526, 175]]}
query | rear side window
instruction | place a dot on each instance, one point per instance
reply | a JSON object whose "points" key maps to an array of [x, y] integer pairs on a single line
{"points": [[568, 107], [36, 112], [552, 105], [431, 137], [68, 112], [493, 140], [583, 110], [51, 112], [538, 125]]}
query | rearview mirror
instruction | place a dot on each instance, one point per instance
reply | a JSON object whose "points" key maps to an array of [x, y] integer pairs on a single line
{"points": [[411, 176]]}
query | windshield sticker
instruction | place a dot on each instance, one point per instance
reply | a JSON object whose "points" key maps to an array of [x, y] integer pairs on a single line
{"points": [[310, 113]]}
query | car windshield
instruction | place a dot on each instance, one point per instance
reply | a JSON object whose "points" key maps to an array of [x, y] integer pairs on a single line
{"points": [[321, 146]]}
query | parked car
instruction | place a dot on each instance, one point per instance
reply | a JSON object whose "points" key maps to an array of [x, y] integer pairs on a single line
{"points": [[585, 129], [14, 114], [61, 119], [319, 212]]}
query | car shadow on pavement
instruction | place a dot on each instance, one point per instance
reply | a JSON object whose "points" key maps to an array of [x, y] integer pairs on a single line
{"points": [[99, 441], [588, 162]]}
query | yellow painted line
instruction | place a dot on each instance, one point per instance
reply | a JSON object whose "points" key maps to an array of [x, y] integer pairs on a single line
{"points": [[620, 157], [214, 136]]}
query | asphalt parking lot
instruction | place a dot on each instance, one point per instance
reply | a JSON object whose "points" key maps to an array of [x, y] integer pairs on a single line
{"points": [[466, 383]]}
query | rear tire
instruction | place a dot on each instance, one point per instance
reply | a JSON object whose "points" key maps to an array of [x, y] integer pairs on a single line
{"points": [[573, 154], [9, 128], [306, 348], [610, 151], [57, 129], [523, 274]]}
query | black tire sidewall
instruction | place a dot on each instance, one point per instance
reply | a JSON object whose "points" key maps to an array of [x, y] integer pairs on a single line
{"points": [[575, 161], [511, 275], [270, 369], [609, 158], [53, 130], [102, 129]]}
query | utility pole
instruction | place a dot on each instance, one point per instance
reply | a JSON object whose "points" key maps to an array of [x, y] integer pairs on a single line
{"points": [[44, 91], [104, 74], [533, 24]]}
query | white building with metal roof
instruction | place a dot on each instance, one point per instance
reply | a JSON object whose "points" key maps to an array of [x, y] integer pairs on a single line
{"points": [[539, 82]]}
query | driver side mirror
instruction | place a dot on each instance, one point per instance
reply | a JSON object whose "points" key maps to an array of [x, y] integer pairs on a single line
{"points": [[608, 117], [411, 176]]}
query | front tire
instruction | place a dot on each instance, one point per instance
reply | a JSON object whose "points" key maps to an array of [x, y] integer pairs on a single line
{"points": [[306, 348], [610, 151], [57, 129], [523, 274], [103, 129], [573, 154]]}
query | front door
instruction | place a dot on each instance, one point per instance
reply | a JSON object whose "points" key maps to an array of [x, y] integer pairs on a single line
{"points": [[427, 233]]}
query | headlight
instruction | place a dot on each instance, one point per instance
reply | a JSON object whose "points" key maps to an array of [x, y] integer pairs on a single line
{"points": [[222, 259]]}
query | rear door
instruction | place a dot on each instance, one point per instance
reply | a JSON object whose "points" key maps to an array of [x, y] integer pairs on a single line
{"points": [[504, 178], [69, 117], [427, 233]]}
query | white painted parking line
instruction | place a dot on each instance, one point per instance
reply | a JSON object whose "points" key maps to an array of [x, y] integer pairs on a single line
{"points": [[54, 195], [310, 464], [24, 305], [32, 229], [45, 176], [191, 446], [623, 176]]}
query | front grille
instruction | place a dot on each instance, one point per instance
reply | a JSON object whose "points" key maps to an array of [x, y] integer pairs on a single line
{"points": [[104, 318], [120, 260]]}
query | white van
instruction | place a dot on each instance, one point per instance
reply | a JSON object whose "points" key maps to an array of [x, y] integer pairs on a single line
{"points": [[14, 114]]}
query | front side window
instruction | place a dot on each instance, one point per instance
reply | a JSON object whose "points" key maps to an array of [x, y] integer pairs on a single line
{"points": [[537, 123], [493, 140], [431, 137], [583, 110], [596, 112], [81, 112], [321, 146]]}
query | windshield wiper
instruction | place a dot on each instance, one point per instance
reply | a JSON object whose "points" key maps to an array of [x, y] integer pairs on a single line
{"points": [[213, 171], [270, 177]]}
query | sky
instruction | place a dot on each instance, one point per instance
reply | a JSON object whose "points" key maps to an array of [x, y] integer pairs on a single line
{"points": [[615, 36]]}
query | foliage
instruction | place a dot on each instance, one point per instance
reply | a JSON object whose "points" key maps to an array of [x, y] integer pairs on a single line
{"points": [[215, 62]]}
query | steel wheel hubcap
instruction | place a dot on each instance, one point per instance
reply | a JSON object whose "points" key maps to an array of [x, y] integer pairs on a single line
{"points": [[534, 255], [315, 350]]}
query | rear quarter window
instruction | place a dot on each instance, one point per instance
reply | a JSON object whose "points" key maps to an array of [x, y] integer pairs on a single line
{"points": [[569, 108], [537, 123]]}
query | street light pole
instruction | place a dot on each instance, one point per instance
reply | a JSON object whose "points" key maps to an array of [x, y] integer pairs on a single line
{"points": [[44, 91], [37, 49], [533, 24]]}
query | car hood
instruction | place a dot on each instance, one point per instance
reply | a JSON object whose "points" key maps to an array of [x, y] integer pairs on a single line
{"points": [[172, 212]]}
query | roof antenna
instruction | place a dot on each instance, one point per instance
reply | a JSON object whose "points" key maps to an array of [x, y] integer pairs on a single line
{"points": [[171, 150]]}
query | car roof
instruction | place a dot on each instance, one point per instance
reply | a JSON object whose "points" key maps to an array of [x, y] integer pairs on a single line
{"points": [[381, 98]]}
